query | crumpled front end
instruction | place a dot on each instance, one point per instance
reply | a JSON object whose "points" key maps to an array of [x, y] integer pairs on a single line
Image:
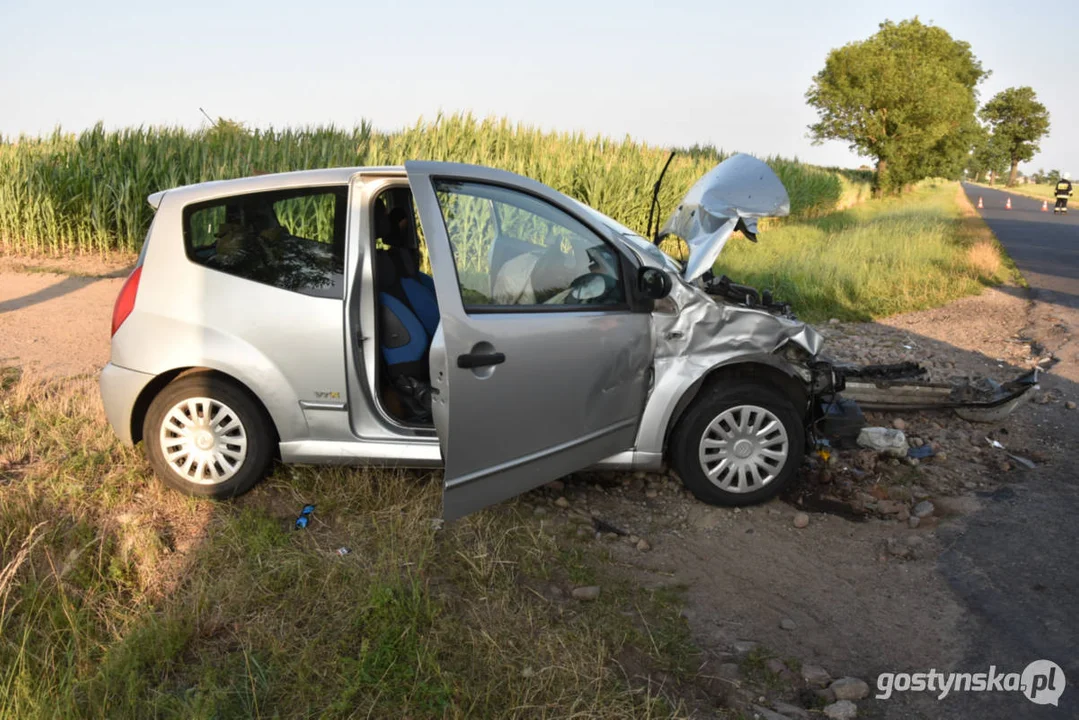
{"points": [[702, 335]]}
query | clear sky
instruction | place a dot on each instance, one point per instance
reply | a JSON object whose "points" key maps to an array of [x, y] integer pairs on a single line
{"points": [[729, 73]]}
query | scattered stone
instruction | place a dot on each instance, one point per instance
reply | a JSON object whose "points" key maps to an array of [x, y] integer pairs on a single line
{"points": [[815, 675], [766, 714], [849, 688], [826, 695], [555, 591], [842, 710], [801, 520], [791, 711], [833, 321], [787, 624], [941, 456], [643, 546], [636, 484], [903, 515], [914, 522], [556, 485], [590, 592], [890, 507], [562, 502], [1070, 405], [884, 440], [539, 511], [651, 493], [528, 672], [744, 647], [917, 442], [915, 541], [899, 424], [923, 509], [897, 549], [776, 666]]}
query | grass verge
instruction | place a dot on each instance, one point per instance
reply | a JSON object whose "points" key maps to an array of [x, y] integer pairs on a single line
{"points": [[119, 598], [875, 259]]}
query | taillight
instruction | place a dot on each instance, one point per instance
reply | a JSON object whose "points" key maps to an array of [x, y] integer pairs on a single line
{"points": [[125, 301]]}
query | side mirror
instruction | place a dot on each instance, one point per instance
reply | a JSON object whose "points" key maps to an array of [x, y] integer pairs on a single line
{"points": [[653, 283]]}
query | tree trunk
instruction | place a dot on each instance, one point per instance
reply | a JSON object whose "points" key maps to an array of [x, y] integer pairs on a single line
{"points": [[882, 177], [1015, 171]]}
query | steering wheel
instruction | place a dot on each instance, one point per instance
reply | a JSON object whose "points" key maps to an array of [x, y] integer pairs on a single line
{"points": [[590, 289]]}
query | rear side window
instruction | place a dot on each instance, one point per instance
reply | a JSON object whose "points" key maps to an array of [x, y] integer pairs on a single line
{"points": [[292, 240]]}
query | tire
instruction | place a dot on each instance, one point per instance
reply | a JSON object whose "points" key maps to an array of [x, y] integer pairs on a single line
{"points": [[727, 405], [235, 448]]}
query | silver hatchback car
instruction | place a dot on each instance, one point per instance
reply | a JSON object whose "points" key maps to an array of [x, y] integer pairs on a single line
{"points": [[440, 314]]}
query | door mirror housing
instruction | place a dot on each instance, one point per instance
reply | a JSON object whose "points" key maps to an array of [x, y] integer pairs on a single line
{"points": [[653, 283]]}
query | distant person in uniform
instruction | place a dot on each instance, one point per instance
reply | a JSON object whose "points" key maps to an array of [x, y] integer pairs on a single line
{"points": [[1063, 191]]}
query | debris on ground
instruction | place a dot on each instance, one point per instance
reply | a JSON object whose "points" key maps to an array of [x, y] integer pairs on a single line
{"points": [[589, 592], [884, 440], [301, 521]]}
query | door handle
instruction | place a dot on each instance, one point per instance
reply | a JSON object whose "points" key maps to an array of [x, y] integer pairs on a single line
{"points": [[475, 360]]}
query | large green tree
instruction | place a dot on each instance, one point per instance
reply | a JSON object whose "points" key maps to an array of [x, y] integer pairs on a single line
{"points": [[904, 96], [988, 158], [1018, 121]]}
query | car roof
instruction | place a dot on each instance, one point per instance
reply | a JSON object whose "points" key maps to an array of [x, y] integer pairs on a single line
{"points": [[269, 181]]}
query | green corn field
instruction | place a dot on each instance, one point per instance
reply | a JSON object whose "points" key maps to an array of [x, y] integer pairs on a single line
{"points": [[68, 194]]}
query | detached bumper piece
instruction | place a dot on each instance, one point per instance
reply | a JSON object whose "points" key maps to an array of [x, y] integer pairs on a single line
{"points": [[894, 388]]}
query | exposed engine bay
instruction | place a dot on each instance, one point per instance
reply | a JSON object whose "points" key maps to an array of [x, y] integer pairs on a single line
{"points": [[745, 295]]}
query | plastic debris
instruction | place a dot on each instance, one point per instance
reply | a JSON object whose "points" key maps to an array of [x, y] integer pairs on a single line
{"points": [[437, 523], [1028, 464], [995, 443], [301, 522], [884, 440], [920, 453], [343, 551]]}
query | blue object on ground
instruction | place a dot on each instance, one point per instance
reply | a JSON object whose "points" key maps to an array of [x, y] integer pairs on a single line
{"points": [[301, 522], [920, 452]]}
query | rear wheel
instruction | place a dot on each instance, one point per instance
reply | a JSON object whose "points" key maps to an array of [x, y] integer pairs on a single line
{"points": [[738, 444], [205, 436]]}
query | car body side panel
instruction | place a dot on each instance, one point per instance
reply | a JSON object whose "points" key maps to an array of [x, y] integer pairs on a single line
{"points": [[705, 335], [286, 347]]}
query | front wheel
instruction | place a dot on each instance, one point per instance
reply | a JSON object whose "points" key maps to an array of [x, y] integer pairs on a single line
{"points": [[205, 436], [738, 444]]}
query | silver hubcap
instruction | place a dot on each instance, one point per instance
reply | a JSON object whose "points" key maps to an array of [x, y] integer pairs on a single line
{"points": [[203, 441], [743, 449]]}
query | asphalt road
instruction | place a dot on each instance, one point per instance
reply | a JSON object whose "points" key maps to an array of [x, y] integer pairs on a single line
{"points": [[1014, 565], [1044, 246]]}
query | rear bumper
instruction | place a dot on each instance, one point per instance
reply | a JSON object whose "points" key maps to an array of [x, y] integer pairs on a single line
{"points": [[120, 388]]}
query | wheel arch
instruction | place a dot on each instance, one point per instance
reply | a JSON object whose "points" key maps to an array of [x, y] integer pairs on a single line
{"points": [[780, 376], [159, 383]]}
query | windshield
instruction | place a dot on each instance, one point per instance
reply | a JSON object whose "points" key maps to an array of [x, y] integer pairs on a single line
{"points": [[639, 243]]}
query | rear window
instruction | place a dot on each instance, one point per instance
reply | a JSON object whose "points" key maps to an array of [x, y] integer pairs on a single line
{"points": [[291, 240]]}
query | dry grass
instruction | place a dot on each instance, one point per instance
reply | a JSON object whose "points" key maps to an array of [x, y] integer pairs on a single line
{"points": [[985, 254], [119, 598]]}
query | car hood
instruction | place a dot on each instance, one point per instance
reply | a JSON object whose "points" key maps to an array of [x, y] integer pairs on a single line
{"points": [[729, 197]]}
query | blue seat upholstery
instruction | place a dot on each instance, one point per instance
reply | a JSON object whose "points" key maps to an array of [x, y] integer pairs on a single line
{"points": [[408, 313]]}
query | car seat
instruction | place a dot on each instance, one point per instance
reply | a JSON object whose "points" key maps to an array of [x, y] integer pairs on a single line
{"points": [[408, 313]]}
